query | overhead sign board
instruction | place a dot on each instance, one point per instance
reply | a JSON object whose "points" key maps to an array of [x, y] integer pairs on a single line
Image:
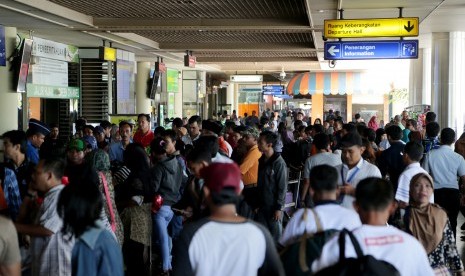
{"points": [[387, 27], [273, 89], [377, 49], [246, 78]]}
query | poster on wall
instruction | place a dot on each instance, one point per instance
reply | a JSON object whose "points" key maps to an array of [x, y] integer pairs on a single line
{"points": [[2, 46], [172, 81], [171, 105], [47, 71]]}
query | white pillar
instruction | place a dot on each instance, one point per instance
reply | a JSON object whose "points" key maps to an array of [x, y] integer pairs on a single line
{"points": [[456, 112], [426, 80], [143, 104], [8, 95], [440, 78]]}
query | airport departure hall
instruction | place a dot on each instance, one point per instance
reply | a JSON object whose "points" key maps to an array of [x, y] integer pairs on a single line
{"points": [[232, 137]]}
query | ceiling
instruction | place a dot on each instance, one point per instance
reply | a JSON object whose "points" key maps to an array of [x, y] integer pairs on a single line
{"points": [[243, 36]]}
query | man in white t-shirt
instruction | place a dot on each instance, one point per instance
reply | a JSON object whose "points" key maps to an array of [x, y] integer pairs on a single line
{"points": [[353, 168], [324, 156], [374, 203], [413, 152], [224, 243], [329, 213]]}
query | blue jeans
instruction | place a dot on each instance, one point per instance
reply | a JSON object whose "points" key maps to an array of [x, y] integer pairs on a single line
{"points": [[160, 227]]}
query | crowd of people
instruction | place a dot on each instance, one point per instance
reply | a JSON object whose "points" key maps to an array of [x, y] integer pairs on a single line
{"points": [[208, 197]]}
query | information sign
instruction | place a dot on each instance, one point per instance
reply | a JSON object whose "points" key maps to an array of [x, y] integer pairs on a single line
{"points": [[377, 49], [387, 27]]}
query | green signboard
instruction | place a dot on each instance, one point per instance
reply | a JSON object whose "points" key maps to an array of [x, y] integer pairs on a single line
{"points": [[172, 81], [51, 92]]}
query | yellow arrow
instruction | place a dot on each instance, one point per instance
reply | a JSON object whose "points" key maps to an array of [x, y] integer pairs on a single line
{"points": [[373, 27]]}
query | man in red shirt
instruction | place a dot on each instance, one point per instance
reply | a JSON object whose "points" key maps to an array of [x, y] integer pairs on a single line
{"points": [[144, 134]]}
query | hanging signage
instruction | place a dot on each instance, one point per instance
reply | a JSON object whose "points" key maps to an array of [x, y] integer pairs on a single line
{"points": [[2, 46], [387, 27], [47, 71], [377, 49], [273, 89], [246, 78], [172, 81], [190, 61], [52, 92], [107, 53], [54, 50]]}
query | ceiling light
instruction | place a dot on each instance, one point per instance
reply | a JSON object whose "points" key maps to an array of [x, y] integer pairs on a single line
{"points": [[321, 11]]}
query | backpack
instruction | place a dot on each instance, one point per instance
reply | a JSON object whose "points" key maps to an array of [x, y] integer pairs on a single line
{"points": [[362, 265], [298, 257]]}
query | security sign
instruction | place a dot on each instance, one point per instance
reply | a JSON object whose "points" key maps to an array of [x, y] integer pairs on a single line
{"points": [[382, 27]]}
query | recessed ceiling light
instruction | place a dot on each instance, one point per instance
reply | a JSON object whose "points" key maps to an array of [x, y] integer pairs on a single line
{"points": [[321, 10]]}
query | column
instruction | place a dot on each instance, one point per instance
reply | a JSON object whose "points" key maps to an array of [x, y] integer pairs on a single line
{"points": [[8, 95], [317, 107], [456, 112], [143, 104], [440, 77], [349, 108]]}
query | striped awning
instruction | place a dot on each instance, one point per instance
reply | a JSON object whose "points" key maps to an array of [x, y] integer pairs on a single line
{"points": [[328, 83]]}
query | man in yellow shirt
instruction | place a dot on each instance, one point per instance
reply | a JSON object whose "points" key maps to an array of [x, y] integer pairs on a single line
{"points": [[249, 167]]}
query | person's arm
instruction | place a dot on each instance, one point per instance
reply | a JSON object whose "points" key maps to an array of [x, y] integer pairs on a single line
{"points": [[451, 254], [281, 182], [272, 264], [304, 192], [181, 261], [11, 270], [33, 230]]}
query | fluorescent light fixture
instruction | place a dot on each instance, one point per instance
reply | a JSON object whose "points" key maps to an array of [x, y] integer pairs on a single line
{"points": [[246, 78]]}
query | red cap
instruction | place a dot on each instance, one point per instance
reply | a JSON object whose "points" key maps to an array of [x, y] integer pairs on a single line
{"points": [[218, 176]]}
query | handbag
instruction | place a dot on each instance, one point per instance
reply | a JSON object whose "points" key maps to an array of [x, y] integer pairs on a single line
{"points": [[108, 199]]}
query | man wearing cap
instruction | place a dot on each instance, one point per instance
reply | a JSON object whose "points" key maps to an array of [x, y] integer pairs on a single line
{"points": [[35, 138], [215, 245], [144, 134], [249, 166], [353, 168], [75, 154], [100, 135]]}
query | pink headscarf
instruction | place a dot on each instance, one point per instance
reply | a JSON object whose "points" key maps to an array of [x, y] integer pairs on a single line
{"points": [[373, 124]]}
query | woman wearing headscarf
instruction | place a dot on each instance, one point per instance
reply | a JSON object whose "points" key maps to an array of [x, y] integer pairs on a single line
{"points": [[100, 161], [373, 123], [430, 225]]}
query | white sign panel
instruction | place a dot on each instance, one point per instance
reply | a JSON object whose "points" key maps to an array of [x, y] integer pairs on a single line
{"points": [[49, 72], [54, 50]]}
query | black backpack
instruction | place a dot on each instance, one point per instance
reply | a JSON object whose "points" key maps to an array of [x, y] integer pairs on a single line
{"points": [[362, 265], [298, 257]]}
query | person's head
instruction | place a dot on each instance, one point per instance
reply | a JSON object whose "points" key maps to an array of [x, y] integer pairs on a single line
{"points": [[447, 136], [357, 116], [411, 124], [75, 151], [337, 113], [317, 121], [99, 160], [114, 133], [99, 134], [300, 116], [143, 122], [176, 124], [90, 144], [250, 136], [169, 136], [297, 124], [430, 117], [413, 152], [267, 141], [360, 128], [88, 130], [321, 141], [198, 159], [323, 182], [397, 119], [195, 124], [221, 184], [338, 125], [380, 135], [237, 133], [157, 149], [135, 158], [211, 128], [158, 131], [254, 113], [14, 143], [421, 189], [318, 128], [414, 136], [106, 125], [370, 134], [348, 128], [404, 115], [79, 205], [125, 131], [394, 133], [374, 200], [54, 131], [208, 143], [36, 132], [352, 149], [432, 129], [48, 174]]}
